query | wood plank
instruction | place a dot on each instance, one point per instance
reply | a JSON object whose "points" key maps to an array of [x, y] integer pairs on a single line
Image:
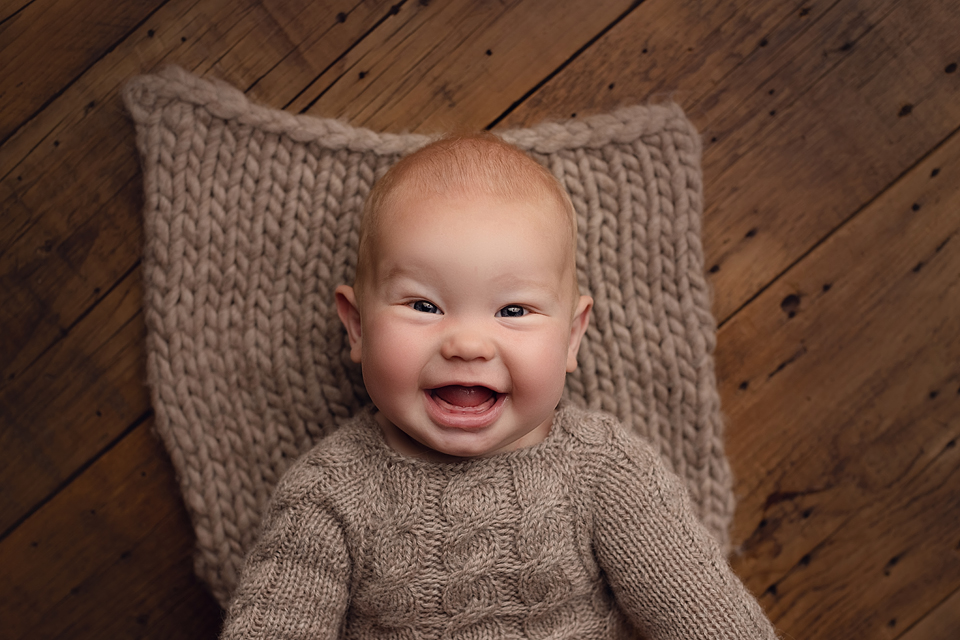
{"points": [[109, 557], [804, 108], [9, 8], [458, 65], [940, 624], [311, 48], [75, 399], [48, 43], [86, 264], [841, 384], [876, 574]]}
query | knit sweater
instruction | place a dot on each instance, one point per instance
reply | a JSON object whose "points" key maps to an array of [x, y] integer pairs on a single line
{"points": [[584, 535]]}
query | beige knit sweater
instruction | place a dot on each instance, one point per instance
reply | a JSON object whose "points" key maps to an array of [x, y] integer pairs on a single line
{"points": [[584, 535]]}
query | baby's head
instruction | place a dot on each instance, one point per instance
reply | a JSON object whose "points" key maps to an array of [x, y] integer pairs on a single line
{"points": [[478, 165], [465, 313]]}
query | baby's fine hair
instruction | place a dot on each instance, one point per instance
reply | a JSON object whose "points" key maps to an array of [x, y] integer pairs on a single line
{"points": [[479, 163]]}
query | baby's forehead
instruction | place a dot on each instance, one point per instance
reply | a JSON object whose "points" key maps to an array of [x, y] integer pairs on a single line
{"points": [[408, 202], [477, 166]]}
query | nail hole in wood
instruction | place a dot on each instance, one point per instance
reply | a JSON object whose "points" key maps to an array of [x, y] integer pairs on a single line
{"points": [[790, 305]]}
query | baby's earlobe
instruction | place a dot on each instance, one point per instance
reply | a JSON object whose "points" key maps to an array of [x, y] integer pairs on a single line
{"points": [[349, 313], [581, 320]]}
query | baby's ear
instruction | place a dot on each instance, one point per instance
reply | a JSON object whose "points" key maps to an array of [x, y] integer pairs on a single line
{"points": [[581, 320], [349, 314]]}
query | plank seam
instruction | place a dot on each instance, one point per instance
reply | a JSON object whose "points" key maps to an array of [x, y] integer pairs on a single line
{"points": [[576, 54], [841, 225], [16, 13], [292, 51], [392, 11], [928, 613], [83, 72], [146, 415], [66, 332]]}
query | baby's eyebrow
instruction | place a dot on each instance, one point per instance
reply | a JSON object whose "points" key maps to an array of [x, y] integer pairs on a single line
{"points": [[398, 271], [519, 284], [527, 285], [399, 277]]}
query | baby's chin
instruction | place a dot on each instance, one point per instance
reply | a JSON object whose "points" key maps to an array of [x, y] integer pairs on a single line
{"points": [[485, 445], [455, 447]]}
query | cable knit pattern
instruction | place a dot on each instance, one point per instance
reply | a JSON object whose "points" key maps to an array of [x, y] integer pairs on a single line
{"points": [[585, 535], [250, 222]]}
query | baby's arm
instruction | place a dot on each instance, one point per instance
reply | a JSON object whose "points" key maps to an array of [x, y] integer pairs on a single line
{"points": [[295, 580], [666, 571]]}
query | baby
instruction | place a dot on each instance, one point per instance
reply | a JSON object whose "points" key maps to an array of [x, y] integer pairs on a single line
{"points": [[469, 502]]}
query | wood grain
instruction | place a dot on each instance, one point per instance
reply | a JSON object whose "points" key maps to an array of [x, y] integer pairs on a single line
{"points": [[115, 547], [841, 383], [940, 624], [74, 400], [422, 75], [46, 44]]}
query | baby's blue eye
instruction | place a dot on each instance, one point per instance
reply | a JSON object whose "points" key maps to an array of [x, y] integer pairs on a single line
{"points": [[425, 307], [512, 311]]}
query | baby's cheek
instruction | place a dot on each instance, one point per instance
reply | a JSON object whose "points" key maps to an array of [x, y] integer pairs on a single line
{"points": [[391, 358], [543, 371]]}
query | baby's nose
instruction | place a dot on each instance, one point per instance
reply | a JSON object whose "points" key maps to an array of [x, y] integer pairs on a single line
{"points": [[467, 342]]}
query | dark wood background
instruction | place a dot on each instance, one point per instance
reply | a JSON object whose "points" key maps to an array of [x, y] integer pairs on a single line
{"points": [[832, 182]]}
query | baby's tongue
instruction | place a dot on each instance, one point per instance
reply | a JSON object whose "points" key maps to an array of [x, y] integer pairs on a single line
{"points": [[464, 396]]}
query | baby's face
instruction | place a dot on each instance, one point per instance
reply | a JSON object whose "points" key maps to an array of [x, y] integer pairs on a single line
{"points": [[469, 322]]}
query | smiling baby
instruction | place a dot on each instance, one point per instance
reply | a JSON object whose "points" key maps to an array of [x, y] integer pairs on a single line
{"points": [[469, 501]]}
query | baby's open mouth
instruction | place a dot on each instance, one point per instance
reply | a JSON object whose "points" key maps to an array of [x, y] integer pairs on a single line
{"points": [[458, 397]]}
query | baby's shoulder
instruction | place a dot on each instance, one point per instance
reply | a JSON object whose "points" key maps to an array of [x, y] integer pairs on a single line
{"points": [[622, 467], [333, 461], [599, 435]]}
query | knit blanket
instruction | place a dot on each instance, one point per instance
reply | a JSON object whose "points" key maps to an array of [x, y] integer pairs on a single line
{"points": [[251, 220]]}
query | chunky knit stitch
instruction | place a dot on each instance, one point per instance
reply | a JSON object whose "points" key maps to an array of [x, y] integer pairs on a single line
{"points": [[250, 222], [585, 535]]}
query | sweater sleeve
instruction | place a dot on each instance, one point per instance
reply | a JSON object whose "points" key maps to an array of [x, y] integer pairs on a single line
{"points": [[666, 571], [295, 580]]}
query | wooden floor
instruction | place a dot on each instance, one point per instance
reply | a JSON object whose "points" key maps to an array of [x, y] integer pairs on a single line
{"points": [[832, 182]]}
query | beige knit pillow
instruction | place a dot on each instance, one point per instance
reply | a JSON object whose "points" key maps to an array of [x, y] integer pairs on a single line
{"points": [[251, 221]]}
